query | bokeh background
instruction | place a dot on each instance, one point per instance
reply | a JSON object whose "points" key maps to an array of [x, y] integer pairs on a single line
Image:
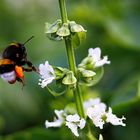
{"points": [[113, 25]]}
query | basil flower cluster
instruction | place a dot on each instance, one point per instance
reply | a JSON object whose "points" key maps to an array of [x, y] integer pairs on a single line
{"points": [[58, 31], [91, 67], [95, 110]]}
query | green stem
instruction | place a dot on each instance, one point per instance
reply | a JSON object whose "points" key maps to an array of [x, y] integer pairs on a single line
{"points": [[71, 59], [63, 11], [90, 135]]}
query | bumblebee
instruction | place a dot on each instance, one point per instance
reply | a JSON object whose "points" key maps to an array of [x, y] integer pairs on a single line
{"points": [[14, 57]]}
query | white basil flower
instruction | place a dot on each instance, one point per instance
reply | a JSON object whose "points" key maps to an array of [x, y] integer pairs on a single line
{"points": [[96, 56], [73, 122], [47, 74], [91, 102], [96, 111], [96, 114], [57, 121], [113, 119]]}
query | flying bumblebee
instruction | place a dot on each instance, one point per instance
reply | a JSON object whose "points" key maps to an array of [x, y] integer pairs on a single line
{"points": [[14, 57]]}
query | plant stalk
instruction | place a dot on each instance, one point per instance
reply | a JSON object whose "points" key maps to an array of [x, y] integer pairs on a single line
{"points": [[71, 60]]}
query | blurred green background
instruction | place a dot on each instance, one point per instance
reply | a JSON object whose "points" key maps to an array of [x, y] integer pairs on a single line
{"points": [[112, 25]]}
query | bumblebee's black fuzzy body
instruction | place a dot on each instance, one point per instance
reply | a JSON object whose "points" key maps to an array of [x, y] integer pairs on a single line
{"points": [[14, 57]]}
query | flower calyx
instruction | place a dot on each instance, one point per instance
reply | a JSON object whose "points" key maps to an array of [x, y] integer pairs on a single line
{"points": [[69, 79]]}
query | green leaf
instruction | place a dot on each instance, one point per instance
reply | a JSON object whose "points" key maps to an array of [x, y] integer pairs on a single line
{"points": [[126, 97]]}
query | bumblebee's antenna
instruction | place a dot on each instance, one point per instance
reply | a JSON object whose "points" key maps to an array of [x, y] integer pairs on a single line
{"points": [[28, 40]]}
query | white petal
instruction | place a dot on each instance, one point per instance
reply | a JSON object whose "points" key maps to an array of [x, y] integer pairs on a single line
{"points": [[102, 62], [95, 114], [113, 119], [91, 102], [45, 82], [73, 118], [47, 74], [99, 123], [73, 122], [59, 114], [95, 53], [56, 123], [46, 70], [102, 107], [50, 68], [97, 110], [96, 56], [82, 123], [100, 137], [73, 127]]}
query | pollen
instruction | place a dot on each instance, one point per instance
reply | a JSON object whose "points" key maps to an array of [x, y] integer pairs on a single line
{"points": [[19, 71]]}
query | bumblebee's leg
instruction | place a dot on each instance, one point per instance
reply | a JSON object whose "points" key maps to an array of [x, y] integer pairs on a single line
{"points": [[31, 66], [27, 69], [21, 81]]}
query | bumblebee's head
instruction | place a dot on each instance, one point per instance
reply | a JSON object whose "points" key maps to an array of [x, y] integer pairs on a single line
{"points": [[16, 52]]}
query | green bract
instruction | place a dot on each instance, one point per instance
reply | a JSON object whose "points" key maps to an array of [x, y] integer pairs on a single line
{"points": [[99, 74], [78, 38], [76, 27], [60, 72], [52, 28], [87, 73], [90, 78], [87, 63], [54, 37]]}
